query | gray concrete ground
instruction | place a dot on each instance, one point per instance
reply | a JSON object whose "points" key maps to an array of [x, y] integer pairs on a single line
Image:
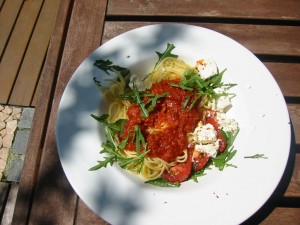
{"points": [[15, 127]]}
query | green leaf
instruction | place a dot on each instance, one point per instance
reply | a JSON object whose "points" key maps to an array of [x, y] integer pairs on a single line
{"points": [[197, 174], [116, 126], [165, 54], [222, 160], [139, 139], [138, 100], [153, 100], [107, 65], [107, 160], [256, 156], [133, 162], [160, 182], [123, 143]]}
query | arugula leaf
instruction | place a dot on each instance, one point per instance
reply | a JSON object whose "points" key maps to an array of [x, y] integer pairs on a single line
{"points": [[123, 143], [107, 65], [97, 82], [160, 182], [107, 160], [197, 174], [116, 126], [114, 148], [222, 160], [205, 88], [139, 139], [138, 100], [165, 54], [256, 156], [115, 156], [136, 96], [153, 100]]}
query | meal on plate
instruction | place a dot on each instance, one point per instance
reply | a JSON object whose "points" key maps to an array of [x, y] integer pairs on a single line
{"points": [[169, 125]]}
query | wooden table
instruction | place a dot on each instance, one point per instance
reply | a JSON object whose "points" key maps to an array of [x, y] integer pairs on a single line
{"points": [[269, 28]]}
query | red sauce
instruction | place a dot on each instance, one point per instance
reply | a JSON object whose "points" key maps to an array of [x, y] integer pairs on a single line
{"points": [[166, 128]]}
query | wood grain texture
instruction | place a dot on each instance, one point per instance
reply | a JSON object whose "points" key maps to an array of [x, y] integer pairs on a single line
{"points": [[258, 9], [293, 189], [28, 76], [4, 191], [1, 3], [58, 205], [36, 140], [287, 76], [43, 182], [282, 215], [10, 204], [294, 112], [86, 216], [16, 47], [8, 16], [259, 39]]}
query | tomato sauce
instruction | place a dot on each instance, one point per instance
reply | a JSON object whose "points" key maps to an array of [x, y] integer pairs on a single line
{"points": [[166, 128]]}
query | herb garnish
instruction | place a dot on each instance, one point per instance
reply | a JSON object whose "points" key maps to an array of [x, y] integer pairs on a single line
{"points": [[256, 156], [222, 160], [165, 54], [161, 56], [137, 98], [205, 88], [107, 65], [160, 182], [113, 147], [199, 173]]}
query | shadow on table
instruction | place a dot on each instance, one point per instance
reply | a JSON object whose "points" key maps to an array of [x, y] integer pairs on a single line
{"points": [[54, 198], [277, 199]]}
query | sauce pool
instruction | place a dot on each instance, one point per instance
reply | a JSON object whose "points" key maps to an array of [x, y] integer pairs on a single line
{"points": [[166, 128]]}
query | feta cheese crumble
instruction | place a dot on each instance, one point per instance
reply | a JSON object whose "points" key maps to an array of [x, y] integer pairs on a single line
{"points": [[205, 138], [206, 68], [223, 102], [227, 124], [139, 82]]}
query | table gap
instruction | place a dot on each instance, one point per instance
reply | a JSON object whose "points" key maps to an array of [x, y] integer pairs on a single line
{"points": [[181, 19]]}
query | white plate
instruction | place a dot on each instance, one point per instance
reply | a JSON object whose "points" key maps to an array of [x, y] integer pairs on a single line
{"points": [[227, 197]]}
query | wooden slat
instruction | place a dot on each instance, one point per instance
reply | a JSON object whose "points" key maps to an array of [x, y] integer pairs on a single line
{"points": [[267, 9], [28, 75], [87, 216], [287, 77], [280, 215], [10, 204], [8, 16], [17, 46], [1, 3], [4, 191], [294, 111], [32, 159], [36, 94], [259, 39], [51, 178], [293, 189]]}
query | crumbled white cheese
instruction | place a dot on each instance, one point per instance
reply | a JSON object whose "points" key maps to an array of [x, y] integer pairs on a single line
{"points": [[210, 149], [205, 138], [205, 134], [227, 124], [206, 68], [222, 103], [138, 81]]}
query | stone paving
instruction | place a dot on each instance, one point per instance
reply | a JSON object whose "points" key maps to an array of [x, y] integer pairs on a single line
{"points": [[15, 126]]}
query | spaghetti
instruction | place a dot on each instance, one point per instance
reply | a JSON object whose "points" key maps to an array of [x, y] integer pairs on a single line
{"points": [[151, 130]]}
